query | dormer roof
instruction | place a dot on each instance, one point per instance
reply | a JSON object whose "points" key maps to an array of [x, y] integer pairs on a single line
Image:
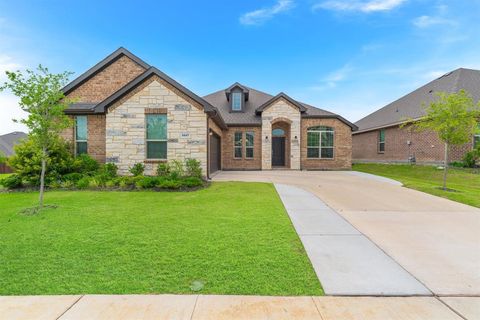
{"points": [[244, 89]]}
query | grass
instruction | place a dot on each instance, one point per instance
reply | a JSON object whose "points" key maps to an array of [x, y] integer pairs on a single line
{"points": [[465, 182], [234, 238]]}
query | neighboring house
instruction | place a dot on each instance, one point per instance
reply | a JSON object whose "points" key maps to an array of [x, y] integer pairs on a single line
{"points": [[128, 112], [379, 137], [7, 142]]}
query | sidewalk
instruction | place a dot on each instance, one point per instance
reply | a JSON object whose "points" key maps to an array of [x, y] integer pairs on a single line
{"points": [[211, 307]]}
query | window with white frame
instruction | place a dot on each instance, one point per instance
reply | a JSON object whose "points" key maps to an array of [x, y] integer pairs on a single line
{"points": [[320, 142], [81, 132], [237, 144], [381, 141], [156, 138], [249, 141], [236, 101]]}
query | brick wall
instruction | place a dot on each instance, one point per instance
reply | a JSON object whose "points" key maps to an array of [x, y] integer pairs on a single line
{"points": [[95, 136], [107, 81], [228, 160], [342, 146], [425, 146]]}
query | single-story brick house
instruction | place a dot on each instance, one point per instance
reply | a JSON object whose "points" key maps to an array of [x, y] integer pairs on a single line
{"points": [[379, 137], [128, 112]]}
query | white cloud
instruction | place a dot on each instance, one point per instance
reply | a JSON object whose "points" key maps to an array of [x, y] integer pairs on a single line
{"points": [[261, 15], [9, 108], [428, 21], [359, 6], [7, 64], [331, 80]]}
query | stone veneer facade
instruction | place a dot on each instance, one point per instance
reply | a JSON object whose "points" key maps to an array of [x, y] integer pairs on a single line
{"points": [[281, 110], [126, 132]]}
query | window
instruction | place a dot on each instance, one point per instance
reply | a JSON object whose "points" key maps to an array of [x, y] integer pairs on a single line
{"points": [[278, 132], [237, 101], [81, 130], [320, 142], [249, 137], [476, 137], [381, 141], [156, 136], [237, 145]]}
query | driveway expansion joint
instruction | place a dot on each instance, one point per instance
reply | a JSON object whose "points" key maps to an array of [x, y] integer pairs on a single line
{"points": [[345, 260]]}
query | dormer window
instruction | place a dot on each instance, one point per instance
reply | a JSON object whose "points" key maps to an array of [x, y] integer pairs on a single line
{"points": [[237, 95], [236, 101]]}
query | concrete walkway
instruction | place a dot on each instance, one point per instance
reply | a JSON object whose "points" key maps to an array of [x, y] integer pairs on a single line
{"points": [[346, 262], [211, 307]]}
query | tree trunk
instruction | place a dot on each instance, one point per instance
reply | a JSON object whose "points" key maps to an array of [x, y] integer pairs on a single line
{"points": [[42, 176], [445, 165]]}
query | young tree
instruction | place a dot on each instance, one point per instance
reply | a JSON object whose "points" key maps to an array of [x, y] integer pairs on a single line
{"points": [[42, 98], [454, 118]]}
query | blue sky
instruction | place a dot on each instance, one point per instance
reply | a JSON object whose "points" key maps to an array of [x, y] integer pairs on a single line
{"points": [[350, 57]]}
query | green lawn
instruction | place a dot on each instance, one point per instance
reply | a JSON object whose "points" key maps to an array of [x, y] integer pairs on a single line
{"points": [[234, 237], [428, 178]]}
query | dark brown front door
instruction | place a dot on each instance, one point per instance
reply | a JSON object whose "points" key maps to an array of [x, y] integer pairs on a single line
{"points": [[278, 151], [214, 153]]}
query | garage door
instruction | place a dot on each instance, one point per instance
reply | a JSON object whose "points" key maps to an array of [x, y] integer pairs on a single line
{"points": [[214, 153]]}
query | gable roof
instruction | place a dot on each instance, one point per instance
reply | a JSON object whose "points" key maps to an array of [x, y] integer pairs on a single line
{"points": [[411, 106], [245, 90], [257, 99], [102, 65], [9, 140], [281, 95]]}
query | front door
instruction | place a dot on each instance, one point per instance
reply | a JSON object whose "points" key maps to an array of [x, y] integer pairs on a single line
{"points": [[278, 151]]}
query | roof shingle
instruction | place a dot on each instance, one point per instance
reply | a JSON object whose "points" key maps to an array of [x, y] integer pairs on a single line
{"points": [[412, 105]]}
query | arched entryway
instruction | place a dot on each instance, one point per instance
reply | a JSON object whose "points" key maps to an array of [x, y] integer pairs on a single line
{"points": [[281, 144]]}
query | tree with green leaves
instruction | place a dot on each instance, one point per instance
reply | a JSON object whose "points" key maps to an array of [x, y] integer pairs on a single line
{"points": [[454, 117], [41, 96]]}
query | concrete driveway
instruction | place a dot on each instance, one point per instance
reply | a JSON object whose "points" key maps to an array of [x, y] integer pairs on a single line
{"points": [[436, 240]]}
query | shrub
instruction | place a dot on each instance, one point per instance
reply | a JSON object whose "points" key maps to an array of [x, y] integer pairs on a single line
{"points": [[176, 169], [127, 182], [67, 184], [73, 177], [94, 183], [163, 169], [193, 168], [170, 184], [457, 164], [471, 158], [146, 182], [85, 164], [26, 161], [110, 170], [137, 169], [83, 183], [3, 158], [13, 181], [191, 182]]}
